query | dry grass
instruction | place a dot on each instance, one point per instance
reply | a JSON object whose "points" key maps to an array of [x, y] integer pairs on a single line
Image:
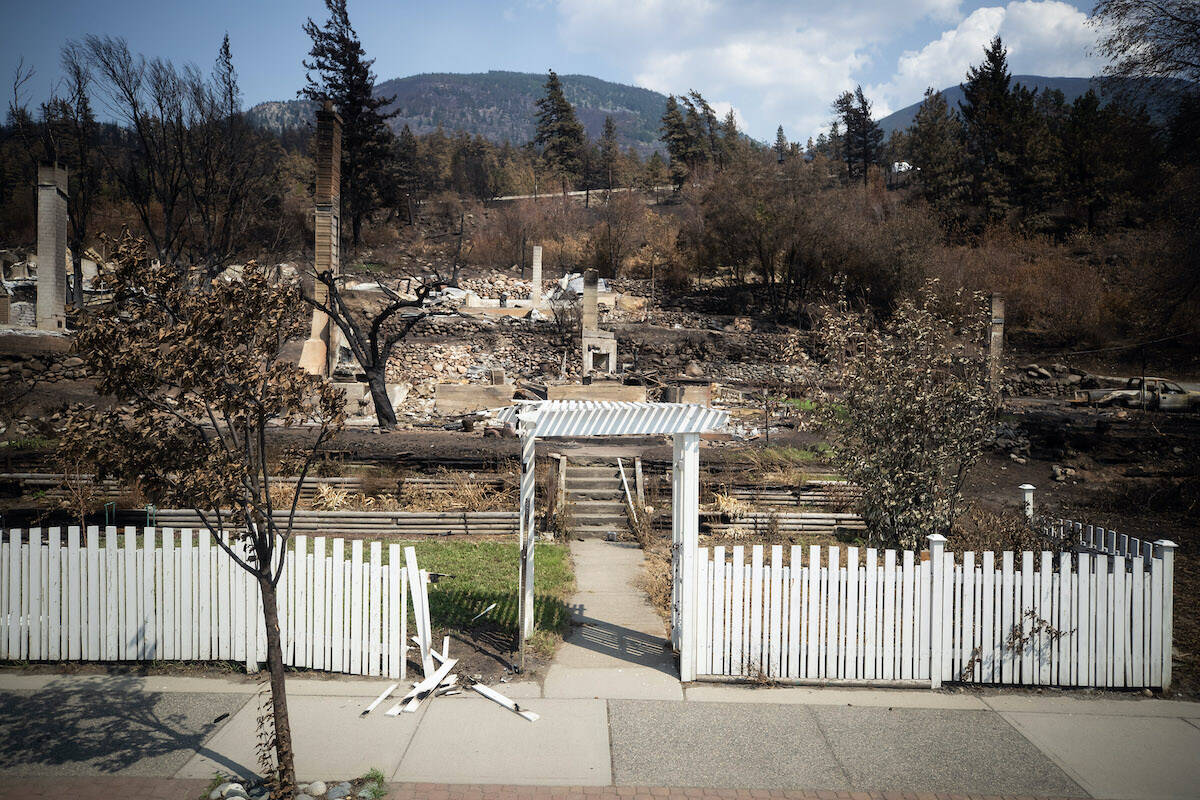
{"points": [[457, 492], [730, 505]]}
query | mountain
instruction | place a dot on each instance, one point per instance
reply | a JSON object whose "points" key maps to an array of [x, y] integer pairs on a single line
{"points": [[499, 106], [1070, 87]]}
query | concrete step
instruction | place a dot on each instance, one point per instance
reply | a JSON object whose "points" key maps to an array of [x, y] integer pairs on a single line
{"points": [[605, 476], [598, 507], [604, 495], [592, 483], [591, 469], [609, 521], [597, 531]]}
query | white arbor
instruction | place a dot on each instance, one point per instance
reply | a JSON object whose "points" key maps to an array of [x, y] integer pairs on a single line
{"points": [[684, 422]]}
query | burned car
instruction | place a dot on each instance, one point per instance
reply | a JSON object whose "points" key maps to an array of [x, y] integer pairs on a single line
{"points": [[1156, 394]]}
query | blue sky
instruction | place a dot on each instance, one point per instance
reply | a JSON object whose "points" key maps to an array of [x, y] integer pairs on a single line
{"points": [[773, 62]]}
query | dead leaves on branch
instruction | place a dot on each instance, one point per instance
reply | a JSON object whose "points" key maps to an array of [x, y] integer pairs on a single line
{"points": [[195, 365]]}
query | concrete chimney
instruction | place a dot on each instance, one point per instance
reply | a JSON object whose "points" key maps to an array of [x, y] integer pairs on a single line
{"points": [[996, 344], [52, 247], [590, 314], [320, 348], [535, 295]]}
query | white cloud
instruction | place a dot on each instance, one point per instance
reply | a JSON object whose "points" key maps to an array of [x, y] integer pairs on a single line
{"points": [[784, 62], [1043, 37]]}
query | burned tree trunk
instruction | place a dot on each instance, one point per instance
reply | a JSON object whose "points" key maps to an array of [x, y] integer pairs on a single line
{"points": [[284, 761], [385, 414]]}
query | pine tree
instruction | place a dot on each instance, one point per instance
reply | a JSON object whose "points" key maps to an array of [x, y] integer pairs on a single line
{"points": [[610, 151], [708, 129], [987, 113], [863, 138], [731, 137], [343, 75], [407, 172], [1036, 160], [936, 149], [677, 139], [656, 171], [781, 144], [559, 133]]}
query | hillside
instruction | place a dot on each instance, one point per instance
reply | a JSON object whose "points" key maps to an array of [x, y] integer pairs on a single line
{"points": [[1070, 87], [497, 105]]}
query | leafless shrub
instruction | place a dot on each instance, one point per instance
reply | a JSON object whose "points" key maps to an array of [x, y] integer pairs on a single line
{"points": [[979, 529]]}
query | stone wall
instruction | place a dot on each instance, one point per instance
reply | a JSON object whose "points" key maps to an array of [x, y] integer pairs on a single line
{"points": [[46, 367]]}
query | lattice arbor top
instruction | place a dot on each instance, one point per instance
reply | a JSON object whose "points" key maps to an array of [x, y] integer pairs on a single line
{"points": [[570, 418]]}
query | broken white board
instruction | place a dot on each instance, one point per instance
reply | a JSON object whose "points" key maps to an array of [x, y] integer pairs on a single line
{"points": [[499, 699], [424, 687], [386, 693], [420, 600]]}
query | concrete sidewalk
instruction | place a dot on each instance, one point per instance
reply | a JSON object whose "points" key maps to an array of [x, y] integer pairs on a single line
{"points": [[719, 737]]}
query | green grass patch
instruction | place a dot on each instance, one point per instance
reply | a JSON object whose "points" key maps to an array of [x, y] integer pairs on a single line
{"points": [[793, 455], [485, 573]]}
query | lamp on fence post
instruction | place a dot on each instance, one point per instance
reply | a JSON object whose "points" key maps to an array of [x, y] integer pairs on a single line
{"points": [[1027, 492]]}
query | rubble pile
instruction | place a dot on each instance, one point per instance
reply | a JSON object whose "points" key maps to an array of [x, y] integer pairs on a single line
{"points": [[1056, 380], [456, 348], [1010, 440], [729, 356], [498, 283]]}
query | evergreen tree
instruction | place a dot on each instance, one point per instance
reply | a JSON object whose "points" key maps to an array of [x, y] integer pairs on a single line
{"points": [[987, 111], [559, 133], [610, 151], [708, 129], [338, 70], [731, 138], [1036, 159], [655, 173], [935, 147], [676, 137], [407, 172], [863, 138], [781, 144]]}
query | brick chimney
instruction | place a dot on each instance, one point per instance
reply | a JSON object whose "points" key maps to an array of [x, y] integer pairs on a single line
{"points": [[318, 354]]}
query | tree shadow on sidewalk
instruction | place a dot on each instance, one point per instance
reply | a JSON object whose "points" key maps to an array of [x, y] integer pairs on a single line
{"points": [[108, 724]]}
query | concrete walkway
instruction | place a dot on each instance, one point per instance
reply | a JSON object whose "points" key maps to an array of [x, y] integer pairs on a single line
{"points": [[718, 737], [617, 647]]}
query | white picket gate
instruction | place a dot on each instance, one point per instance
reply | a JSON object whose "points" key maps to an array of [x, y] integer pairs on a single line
{"points": [[1076, 619], [149, 594]]}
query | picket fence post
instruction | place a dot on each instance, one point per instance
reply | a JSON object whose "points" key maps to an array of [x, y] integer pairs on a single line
{"points": [[1168, 607], [937, 546]]}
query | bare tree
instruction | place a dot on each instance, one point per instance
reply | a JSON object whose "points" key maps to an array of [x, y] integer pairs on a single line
{"points": [[195, 172], [230, 167], [73, 139], [147, 97], [1157, 39], [371, 330]]}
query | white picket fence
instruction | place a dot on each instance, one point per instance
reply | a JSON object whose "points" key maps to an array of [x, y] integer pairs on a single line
{"points": [[1095, 539], [159, 594], [1075, 619]]}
